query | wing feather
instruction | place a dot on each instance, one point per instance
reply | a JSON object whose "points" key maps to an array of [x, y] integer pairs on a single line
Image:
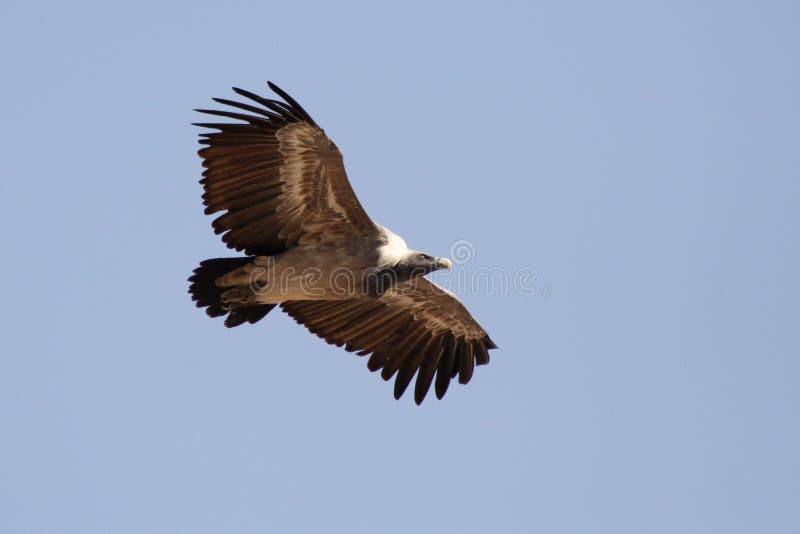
{"points": [[427, 369], [444, 370], [277, 178], [414, 329], [466, 362]]}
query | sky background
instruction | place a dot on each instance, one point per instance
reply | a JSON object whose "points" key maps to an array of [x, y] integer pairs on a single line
{"points": [[641, 157]]}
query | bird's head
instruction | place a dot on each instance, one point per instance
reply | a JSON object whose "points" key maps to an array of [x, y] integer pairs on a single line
{"points": [[416, 263]]}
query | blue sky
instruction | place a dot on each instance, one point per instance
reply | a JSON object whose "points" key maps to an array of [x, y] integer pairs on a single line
{"points": [[641, 158]]}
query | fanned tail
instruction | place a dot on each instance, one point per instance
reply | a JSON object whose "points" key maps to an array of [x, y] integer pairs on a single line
{"points": [[207, 294]]}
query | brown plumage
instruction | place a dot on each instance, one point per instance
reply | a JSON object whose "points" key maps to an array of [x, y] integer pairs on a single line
{"points": [[278, 177], [286, 202]]}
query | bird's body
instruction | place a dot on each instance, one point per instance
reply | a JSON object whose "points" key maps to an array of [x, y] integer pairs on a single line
{"points": [[302, 273], [312, 249], [319, 271]]}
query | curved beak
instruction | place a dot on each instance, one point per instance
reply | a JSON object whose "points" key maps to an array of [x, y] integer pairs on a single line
{"points": [[444, 263]]}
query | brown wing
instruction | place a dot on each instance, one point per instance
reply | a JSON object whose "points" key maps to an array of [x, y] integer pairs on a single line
{"points": [[416, 327], [277, 176]]}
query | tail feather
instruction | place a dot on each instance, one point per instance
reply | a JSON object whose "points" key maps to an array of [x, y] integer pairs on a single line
{"points": [[207, 294]]}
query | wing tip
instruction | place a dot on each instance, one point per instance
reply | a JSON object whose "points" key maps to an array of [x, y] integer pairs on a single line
{"points": [[294, 104]]}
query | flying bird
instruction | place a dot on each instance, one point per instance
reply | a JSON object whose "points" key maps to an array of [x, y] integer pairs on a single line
{"points": [[311, 248]]}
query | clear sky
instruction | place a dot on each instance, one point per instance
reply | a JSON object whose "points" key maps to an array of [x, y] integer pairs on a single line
{"points": [[640, 157]]}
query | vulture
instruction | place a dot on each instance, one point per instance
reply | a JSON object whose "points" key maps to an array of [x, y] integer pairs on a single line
{"points": [[310, 248]]}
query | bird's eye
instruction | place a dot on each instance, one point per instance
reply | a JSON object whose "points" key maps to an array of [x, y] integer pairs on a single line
{"points": [[423, 257]]}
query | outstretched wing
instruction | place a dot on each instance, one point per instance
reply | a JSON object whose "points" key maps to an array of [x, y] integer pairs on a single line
{"points": [[417, 327], [278, 177]]}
